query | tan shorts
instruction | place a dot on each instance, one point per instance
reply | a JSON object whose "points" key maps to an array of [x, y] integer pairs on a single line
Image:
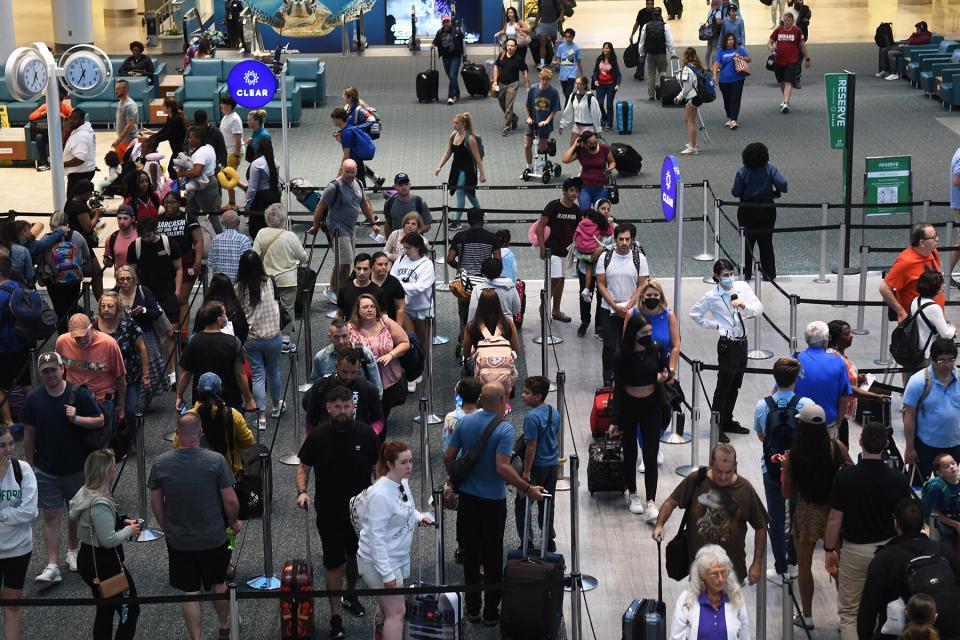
{"points": [[346, 249]]}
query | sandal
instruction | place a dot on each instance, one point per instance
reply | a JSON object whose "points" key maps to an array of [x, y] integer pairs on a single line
{"points": [[560, 316]]}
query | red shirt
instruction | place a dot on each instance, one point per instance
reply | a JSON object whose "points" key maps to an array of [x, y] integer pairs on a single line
{"points": [[788, 45], [906, 270], [593, 166]]}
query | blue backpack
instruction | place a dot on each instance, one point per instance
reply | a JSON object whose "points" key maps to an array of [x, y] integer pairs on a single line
{"points": [[706, 90], [33, 319], [363, 147]]}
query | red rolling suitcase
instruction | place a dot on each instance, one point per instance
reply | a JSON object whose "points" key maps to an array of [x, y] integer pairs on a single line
{"points": [[296, 616], [600, 413]]}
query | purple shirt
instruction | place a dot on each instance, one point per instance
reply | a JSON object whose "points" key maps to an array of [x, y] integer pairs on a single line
{"points": [[713, 622]]}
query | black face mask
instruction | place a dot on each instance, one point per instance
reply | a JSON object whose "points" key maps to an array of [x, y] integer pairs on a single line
{"points": [[651, 303], [645, 341]]}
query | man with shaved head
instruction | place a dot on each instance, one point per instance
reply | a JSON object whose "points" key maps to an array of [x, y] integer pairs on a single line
{"points": [[227, 247], [341, 204], [482, 511]]}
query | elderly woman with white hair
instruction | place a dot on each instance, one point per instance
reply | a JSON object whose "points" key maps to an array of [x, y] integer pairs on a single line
{"points": [[281, 252], [823, 375], [712, 606]]}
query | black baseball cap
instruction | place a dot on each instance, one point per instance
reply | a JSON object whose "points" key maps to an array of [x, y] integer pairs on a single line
{"points": [[401, 178]]}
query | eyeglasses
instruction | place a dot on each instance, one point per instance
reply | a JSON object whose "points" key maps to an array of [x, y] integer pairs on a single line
{"points": [[403, 494], [127, 279], [945, 360], [933, 237]]}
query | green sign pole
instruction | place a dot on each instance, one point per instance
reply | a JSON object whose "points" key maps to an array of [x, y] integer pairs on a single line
{"points": [[841, 101]]}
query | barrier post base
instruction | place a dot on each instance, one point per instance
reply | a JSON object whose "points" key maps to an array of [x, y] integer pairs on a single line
{"points": [[587, 582], [687, 469], [703, 257], [550, 340], [149, 535], [822, 280], [860, 332], [289, 459], [431, 419], [671, 437], [760, 354], [169, 436], [883, 362], [265, 583]]}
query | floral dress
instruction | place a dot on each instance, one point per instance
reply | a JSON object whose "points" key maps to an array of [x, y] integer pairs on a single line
{"points": [[126, 336]]}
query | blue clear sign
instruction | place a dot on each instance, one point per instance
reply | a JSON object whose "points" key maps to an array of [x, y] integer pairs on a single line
{"points": [[669, 181], [251, 83]]}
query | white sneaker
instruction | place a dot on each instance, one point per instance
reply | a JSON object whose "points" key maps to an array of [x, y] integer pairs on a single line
{"points": [[690, 151], [793, 571], [784, 107], [774, 577], [880, 74], [651, 512], [72, 559], [642, 468], [893, 76], [49, 575], [411, 386], [278, 410], [330, 295], [171, 380], [727, 123], [586, 295], [636, 504], [659, 458]]}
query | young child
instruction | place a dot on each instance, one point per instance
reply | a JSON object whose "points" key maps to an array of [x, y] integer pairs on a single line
{"points": [[112, 161], [541, 429], [921, 614], [941, 494], [594, 230]]}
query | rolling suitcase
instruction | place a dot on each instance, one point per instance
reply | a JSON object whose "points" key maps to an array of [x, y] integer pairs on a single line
{"points": [[629, 161], [624, 109], [296, 616], [475, 78], [670, 86], [428, 82], [432, 616], [522, 292], [605, 466], [599, 413], [532, 606], [645, 618]]}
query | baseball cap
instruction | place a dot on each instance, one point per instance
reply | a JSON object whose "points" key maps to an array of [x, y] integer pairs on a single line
{"points": [[401, 178], [209, 383], [812, 414], [49, 359], [445, 19], [79, 324], [127, 210]]}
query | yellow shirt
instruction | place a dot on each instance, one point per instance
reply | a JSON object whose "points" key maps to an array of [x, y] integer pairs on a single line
{"points": [[242, 437]]}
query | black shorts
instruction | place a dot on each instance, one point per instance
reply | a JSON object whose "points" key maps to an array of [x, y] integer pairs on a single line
{"points": [[338, 539], [13, 369], [170, 305], [189, 570], [787, 73], [13, 571]]}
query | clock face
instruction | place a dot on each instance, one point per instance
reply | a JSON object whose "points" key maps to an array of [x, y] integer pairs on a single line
{"points": [[33, 75], [83, 73]]}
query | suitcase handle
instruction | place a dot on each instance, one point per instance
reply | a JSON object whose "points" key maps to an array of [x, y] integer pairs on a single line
{"points": [[659, 570], [547, 525]]}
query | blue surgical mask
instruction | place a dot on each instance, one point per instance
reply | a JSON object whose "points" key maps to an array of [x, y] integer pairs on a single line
{"points": [[726, 283]]}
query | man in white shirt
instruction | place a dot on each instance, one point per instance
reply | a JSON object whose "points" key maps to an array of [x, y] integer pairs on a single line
{"points": [[80, 151], [202, 200], [723, 309], [231, 127]]}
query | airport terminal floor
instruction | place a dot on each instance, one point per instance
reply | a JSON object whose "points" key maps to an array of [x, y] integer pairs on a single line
{"points": [[614, 545]]}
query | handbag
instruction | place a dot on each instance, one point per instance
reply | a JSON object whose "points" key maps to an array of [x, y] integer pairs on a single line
{"points": [[771, 62], [520, 446], [741, 66], [462, 466], [461, 286], [678, 552], [114, 585], [523, 38], [705, 32]]}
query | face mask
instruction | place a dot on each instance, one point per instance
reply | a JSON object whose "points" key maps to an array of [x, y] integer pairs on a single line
{"points": [[726, 283], [651, 303], [644, 341]]}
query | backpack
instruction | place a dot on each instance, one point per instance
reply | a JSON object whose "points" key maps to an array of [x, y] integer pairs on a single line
{"points": [[62, 265], [33, 319], [17, 471], [466, 137], [363, 147], [883, 36], [905, 340], [494, 359], [375, 127], [706, 91], [138, 243], [635, 249], [358, 508], [778, 434], [93, 439], [931, 574], [656, 39], [412, 360]]}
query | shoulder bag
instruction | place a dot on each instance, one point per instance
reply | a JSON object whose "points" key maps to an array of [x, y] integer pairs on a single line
{"points": [[114, 585], [520, 445], [741, 66], [678, 553]]}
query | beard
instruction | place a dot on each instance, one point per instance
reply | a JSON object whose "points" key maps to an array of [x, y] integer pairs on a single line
{"points": [[340, 423]]}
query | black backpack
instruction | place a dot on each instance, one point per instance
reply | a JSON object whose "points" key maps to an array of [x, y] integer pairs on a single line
{"points": [[905, 339], [655, 40], [932, 574], [778, 434], [883, 36], [413, 360]]}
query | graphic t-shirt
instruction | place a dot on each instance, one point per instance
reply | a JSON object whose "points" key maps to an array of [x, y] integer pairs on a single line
{"points": [[180, 231], [569, 55], [155, 267], [542, 102], [787, 45], [728, 72], [563, 222], [97, 366]]}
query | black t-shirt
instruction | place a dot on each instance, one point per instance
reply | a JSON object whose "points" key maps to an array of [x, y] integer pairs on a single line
{"points": [[342, 463], [349, 292], [392, 291], [155, 267], [510, 68], [74, 209], [475, 245], [217, 352], [563, 222], [366, 401], [180, 231], [644, 16], [867, 495], [59, 448]]}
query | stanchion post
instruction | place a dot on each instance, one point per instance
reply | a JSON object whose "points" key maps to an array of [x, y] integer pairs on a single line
{"points": [[714, 429], [307, 325], [203, 277], [576, 618], [762, 593], [33, 368], [794, 343], [686, 470], [946, 261], [758, 352], [840, 265], [147, 534], [432, 418], [925, 212], [705, 255], [579, 581], [268, 581], [884, 359], [563, 482], [860, 330], [546, 311], [437, 339], [293, 459], [234, 612], [743, 250], [708, 278], [85, 294], [824, 220], [441, 539], [932, 526], [786, 606], [336, 270], [445, 221]]}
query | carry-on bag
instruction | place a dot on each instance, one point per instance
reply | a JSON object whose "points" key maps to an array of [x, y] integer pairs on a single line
{"points": [[428, 82], [670, 86], [433, 616], [605, 466], [628, 160], [296, 616], [645, 618], [475, 78], [600, 412], [624, 110]]}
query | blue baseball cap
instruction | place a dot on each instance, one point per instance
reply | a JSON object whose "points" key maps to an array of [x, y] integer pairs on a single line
{"points": [[209, 383]]}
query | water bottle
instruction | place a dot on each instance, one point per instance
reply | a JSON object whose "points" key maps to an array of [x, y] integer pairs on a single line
{"points": [[231, 539]]}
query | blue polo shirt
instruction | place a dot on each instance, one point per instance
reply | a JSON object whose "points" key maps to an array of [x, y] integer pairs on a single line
{"points": [[483, 480], [938, 420], [782, 398], [823, 379], [543, 424]]}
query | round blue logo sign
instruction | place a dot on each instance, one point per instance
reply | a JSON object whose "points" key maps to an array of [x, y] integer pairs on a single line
{"points": [[669, 179], [251, 83]]}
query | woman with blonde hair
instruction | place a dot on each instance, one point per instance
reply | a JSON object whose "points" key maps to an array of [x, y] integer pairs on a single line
{"points": [[688, 97], [467, 165], [712, 591], [102, 532], [412, 223], [112, 320], [373, 329], [140, 305]]}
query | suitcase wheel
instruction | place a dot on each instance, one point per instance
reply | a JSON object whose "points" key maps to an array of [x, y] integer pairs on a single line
{"points": [[556, 170], [526, 175], [545, 176]]}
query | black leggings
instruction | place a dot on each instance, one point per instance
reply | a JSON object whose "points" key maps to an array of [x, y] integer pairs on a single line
{"points": [[644, 413], [108, 565]]}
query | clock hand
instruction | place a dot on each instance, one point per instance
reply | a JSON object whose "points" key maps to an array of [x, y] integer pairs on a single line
{"points": [[83, 72]]}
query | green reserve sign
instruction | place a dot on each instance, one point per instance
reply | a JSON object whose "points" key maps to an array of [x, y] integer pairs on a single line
{"points": [[887, 182], [837, 105]]}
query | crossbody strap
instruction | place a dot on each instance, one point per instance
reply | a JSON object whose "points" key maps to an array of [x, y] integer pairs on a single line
{"points": [[484, 438], [702, 474]]}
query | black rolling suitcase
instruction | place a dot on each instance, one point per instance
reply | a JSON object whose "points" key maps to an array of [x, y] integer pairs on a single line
{"points": [[629, 161], [605, 466], [646, 618], [532, 606], [428, 82], [475, 78], [670, 87]]}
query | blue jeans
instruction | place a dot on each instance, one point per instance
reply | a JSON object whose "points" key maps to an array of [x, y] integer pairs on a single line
{"points": [[452, 68], [589, 195], [782, 555], [462, 195], [605, 95], [264, 356]]}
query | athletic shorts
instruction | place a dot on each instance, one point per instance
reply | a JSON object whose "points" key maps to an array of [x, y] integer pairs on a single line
{"points": [[338, 539], [346, 249], [787, 73], [189, 570], [368, 571], [13, 571], [545, 132], [556, 266], [54, 492], [547, 29]]}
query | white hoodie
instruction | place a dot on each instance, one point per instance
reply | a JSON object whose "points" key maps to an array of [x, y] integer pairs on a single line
{"points": [[585, 110], [388, 526], [417, 277], [18, 510]]}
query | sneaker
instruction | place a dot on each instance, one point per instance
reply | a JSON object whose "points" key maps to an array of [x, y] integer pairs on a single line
{"points": [[171, 380], [642, 468], [278, 410], [505, 132], [454, 226], [474, 618], [455, 99], [793, 571], [659, 458], [72, 559], [893, 76], [49, 575], [287, 345], [353, 605], [733, 125], [636, 504], [774, 577], [784, 107], [336, 627], [449, 100], [491, 622], [43, 167], [261, 424], [651, 513], [954, 282], [330, 295], [880, 74], [412, 385], [690, 151], [803, 622], [727, 123], [582, 329], [586, 295], [723, 438], [560, 316]]}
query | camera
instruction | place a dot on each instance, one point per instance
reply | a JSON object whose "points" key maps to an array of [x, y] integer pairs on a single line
{"points": [[95, 202]]}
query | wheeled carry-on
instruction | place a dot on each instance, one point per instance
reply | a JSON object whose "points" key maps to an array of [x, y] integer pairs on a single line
{"points": [[646, 618], [532, 606], [543, 167], [624, 111], [605, 466], [670, 86], [433, 616], [628, 160], [428, 82], [296, 616], [475, 79]]}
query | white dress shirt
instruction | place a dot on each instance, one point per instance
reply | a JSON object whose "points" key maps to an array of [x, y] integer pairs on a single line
{"points": [[715, 311]]}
